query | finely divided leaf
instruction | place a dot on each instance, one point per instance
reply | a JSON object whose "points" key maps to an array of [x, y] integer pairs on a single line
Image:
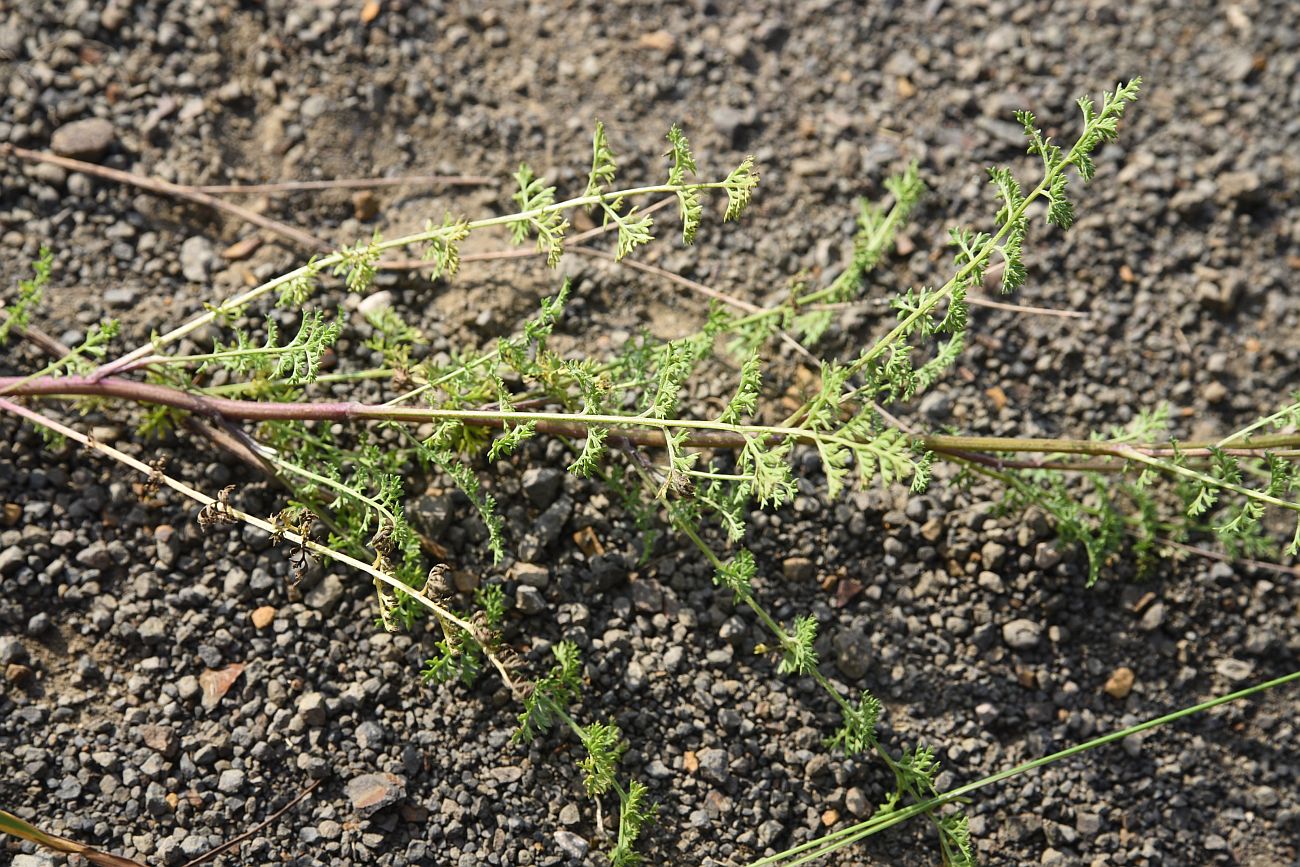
{"points": [[740, 186], [602, 163]]}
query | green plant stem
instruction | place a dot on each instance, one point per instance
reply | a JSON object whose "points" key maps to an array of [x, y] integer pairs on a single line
{"points": [[1274, 419], [1187, 473], [844, 837], [326, 482]]}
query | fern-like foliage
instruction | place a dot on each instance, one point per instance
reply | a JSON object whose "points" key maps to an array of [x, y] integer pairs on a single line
{"points": [[737, 574], [557, 690], [537, 216], [602, 163], [800, 657], [745, 400], [688, 198], [917, 771], [94, 346], [857, 733], [299, 362], [357, 263], [469, 485], [30, 292], [605, 747], [955, 842], [295, 290], [740, 185], [442, 250], [635, 811]]}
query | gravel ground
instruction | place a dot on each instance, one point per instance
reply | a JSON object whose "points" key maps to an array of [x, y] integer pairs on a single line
{"points": [[975, 630]]}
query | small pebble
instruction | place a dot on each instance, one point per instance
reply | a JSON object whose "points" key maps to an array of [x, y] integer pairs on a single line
{"points": [[83, 139], [1120, 683], [1021, 634]]}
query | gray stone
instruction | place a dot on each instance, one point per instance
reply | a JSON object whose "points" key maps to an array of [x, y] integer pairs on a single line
{"points": [[230, 781], [370, 734], [542, 485], [529, 600], [166, 544], [375, 302], [673, 657], [1263, 797], [431, 514], [11, 559], [800, 570], [507, 774], [658, 770], [120, 296], [818, 766], [83, 139], [95, 556], [52, 175], [315, 766], [370, 793], [24, 860], [733, 629], [1235, 670], [197, 259], [1153, 617], [992, 553], [714, 765], [852, 653], [532, 575], [1052, 858], [545, 530], [311, 708], [1236, 64], [169, 848], [12, 650], [188, 687], [80, 185], [194, 845], [647, 596], [325, 596], [573, 846], [569, 814], [314, 106], [769, 832], [1087, 824], [236, 584], [855, 801], [153, 630], [1021, 634]]}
